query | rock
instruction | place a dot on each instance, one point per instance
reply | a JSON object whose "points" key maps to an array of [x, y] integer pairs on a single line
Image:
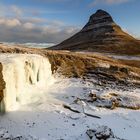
{"points": [[114, 100], [101, 133], [91, 133], [114, 68], [4, 135], [104, 132], [93, 96], [125, 70]]}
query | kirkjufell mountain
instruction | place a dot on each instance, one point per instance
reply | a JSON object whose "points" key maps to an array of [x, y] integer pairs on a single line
{"points": [[101, 34]]}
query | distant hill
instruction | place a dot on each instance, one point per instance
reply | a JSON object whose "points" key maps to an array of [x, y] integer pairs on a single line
{"points": [[101, 34]]}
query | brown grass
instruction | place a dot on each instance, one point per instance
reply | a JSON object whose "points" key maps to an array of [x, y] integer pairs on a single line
{"points": [[71, 64], [131, 63]]}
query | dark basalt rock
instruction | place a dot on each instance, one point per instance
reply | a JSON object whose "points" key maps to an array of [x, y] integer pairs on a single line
{"points": [[99, 19], [101, 34]]}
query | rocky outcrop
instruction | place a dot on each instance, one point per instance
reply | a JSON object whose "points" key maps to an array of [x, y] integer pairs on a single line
{"points": [[114, 100], [101, 34], [106, 71], [5, 135], [101, 133], [2, 87]]}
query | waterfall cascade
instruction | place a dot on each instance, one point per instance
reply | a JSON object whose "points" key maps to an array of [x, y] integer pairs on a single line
{"points": [[21, 75]]}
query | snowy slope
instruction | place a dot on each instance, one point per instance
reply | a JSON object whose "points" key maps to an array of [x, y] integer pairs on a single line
{"points": [[47, 119]]}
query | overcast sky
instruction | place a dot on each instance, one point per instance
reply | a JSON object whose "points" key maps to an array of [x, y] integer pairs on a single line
{"points": [[52, 21]]}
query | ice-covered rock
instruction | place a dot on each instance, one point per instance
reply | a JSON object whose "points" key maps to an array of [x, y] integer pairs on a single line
{"points": [[4, 135], [101, 133], [113, 100]]}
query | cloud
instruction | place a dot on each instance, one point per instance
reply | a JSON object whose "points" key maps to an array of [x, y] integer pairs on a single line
{"points": [[108, 2], [11, 10], [18, 11], [24, 30], [28, 25], [10, 22], [20, 25]]}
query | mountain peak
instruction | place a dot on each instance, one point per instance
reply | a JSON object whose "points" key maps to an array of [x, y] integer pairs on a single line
{"points": [[101, 17], [102, 14], [100, 11]]}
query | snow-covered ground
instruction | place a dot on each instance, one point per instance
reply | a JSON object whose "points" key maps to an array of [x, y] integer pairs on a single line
{"points": [[44, 116], [124, 57], [43, 102]]}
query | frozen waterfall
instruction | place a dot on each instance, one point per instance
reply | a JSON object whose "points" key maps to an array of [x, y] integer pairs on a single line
{"points": [[21, 76]]}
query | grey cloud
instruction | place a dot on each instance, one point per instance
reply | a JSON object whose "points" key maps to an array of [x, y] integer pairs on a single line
{"points": [[19, 26], [15, 30], [13, 10], [16, 10]]}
